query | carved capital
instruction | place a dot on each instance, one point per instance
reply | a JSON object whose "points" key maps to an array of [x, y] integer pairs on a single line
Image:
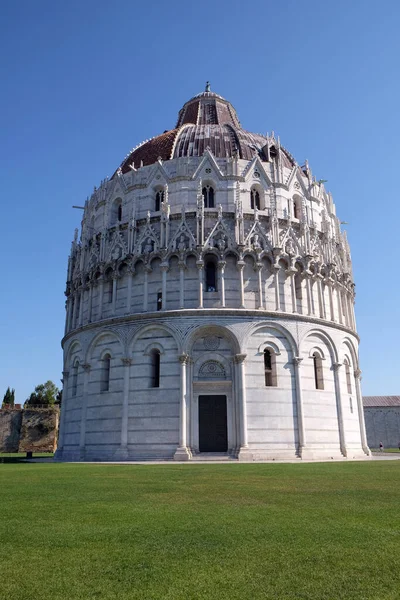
{"points": [[200, 264], [297, 360], [126, 361], [240, 265], [86, 367], [184, 358], [357, 373], [65, 374], [221, 265], [336, 366], [239, 358]]}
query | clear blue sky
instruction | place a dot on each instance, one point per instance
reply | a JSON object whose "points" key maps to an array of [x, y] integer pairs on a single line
{"points": [[84, 81]]}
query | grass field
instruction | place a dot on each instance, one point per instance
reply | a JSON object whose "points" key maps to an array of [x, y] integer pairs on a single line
{"points": [[182, 532]]}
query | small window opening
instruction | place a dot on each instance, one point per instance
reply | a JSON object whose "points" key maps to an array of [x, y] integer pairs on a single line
{"points": [[297, 286], [348, 376], [119, 212], [211, 277], [318, 374], [159, 199], [75, 379], [159, 300], [105, 373], [351, 405], [296, 212], [155, 369], [268, 368], [254, 199], [110, 291], [208, 196], [78, 308]]}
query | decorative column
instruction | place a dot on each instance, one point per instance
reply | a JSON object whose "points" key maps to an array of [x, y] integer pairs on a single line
{"points": [[291, 273], [221, 270], [114, 293], [361, 419], [321, 300], [75, 300], [299, 403], [86, 374], [182, 452], [129, 292], [342, 436], [349, 311], [310, 310], [338, 303], [68, 316], [244, 452], [164, 271], [240, 267], [147, 270], [181, 284], [61, 433], [331, 307], [81, 299], [345, 309], [122, 452], [200, 267], [101, 297], [276, 286], [353, 314], [259, 267], [90, 302]]}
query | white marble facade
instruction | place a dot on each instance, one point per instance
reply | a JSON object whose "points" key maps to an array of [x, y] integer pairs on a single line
{"points": [[211, 284]]}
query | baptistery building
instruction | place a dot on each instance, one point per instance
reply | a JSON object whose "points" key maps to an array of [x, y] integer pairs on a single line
{"points": [[210, 305]]}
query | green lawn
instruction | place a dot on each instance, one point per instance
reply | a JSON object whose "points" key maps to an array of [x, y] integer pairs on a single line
{"points": [[182, 532]]}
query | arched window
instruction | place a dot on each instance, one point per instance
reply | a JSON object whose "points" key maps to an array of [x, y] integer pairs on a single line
{"points": [[208, 196], [255, 199], [105, 373], [155, 368], [116, 211], [297, 286], [297, 208], [268, 367], [318, 373], [78, 308], [74, 384], [159, 300], [110, 291], [158, 200], [348, 375], [211, 276]]}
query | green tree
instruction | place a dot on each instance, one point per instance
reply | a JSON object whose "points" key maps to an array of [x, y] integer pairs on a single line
{"points": [[44, 394], [9, 397]]}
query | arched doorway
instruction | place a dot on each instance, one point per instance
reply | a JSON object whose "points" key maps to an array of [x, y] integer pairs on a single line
{"points": [[213, 417]]}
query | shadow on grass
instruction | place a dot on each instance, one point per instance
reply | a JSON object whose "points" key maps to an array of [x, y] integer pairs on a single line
{"points": [[23, 458]]}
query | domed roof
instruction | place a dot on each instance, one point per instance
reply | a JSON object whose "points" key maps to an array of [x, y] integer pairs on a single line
{"points": [[205, 121]]}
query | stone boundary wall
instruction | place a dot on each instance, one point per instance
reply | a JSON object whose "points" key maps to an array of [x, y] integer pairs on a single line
{"points": [[382, 425], [29, 430]]}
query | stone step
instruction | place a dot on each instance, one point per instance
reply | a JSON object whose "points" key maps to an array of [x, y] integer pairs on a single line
{"points": [[213, 456]]}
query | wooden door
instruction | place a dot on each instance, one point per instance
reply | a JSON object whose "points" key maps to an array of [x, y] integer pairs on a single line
{"points": [[213, 430]]}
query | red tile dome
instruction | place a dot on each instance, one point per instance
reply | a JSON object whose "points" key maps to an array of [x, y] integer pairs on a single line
{"points": [[205, 121]]}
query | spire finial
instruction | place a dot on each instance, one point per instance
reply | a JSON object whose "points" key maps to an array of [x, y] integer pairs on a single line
{"points": [[208, 87]]}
